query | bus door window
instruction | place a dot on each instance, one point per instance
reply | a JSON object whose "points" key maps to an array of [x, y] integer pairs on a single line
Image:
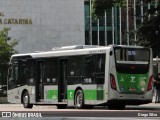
{"points": [[32, 75], [100, 68], [62, 84], [41, 68]]}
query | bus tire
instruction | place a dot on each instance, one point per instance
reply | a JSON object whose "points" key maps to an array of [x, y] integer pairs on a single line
{"points": [[26, 103], [79, 99]]}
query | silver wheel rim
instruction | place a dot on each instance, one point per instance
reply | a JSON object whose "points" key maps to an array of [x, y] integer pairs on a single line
{"points": [[79, 100], [25, 100]]}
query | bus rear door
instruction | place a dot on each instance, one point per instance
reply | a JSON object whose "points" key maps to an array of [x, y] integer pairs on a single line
{"points": [[40, 80], [62, 82]]}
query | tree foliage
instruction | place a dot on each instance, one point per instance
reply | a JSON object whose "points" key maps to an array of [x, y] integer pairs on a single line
{"points": [[100, 6], [149, 32], [7, 45]]}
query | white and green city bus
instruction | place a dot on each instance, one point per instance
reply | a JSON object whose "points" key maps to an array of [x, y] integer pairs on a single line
{"points": [[82, 76]]}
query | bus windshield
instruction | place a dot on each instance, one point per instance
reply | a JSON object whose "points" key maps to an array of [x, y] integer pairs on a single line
{"points": [[132, 55]]}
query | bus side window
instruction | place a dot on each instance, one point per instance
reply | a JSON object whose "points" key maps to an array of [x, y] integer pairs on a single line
{"points": [[74, 70], [100, 68], [100, 63], [89, 66], [88, 70], [75, 65]]}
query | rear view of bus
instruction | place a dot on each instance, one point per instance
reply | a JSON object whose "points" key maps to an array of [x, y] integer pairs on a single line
{"points": [[131, 76]]}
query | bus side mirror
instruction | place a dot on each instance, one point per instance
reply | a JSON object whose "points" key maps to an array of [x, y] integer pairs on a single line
{"points": [[110, 53], [10, 64]]}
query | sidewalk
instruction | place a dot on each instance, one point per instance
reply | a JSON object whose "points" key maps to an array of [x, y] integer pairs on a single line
{"points": [[152, 104]]}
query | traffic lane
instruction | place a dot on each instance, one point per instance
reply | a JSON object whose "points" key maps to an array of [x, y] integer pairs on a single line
{"points": [[149, 110], [117, 114], [19, 107], [84, 113]]}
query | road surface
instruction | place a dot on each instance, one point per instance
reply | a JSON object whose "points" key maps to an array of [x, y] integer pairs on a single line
{"points": [[16, 111]]}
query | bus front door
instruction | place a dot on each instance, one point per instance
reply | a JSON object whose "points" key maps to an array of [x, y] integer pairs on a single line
{"points": [[39, 82], [62, 83]]}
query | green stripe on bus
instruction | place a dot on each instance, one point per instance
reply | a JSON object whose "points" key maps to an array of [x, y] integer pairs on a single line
{"points": [[100, 94], [70, 94], [88, 94], [52, 94]]}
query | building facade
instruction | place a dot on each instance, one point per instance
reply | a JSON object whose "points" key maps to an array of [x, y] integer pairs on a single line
{"points": [[103, 33], [40, 25], [120, 24]]}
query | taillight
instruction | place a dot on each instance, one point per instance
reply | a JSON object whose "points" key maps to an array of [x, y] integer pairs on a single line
{"points": [[150, 83], [113, 82]]}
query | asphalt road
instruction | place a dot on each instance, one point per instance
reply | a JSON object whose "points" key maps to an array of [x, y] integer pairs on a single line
{"points": [[16, 111]]}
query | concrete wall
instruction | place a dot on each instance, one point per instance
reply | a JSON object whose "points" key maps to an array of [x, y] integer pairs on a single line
{"points": [[41, 25]]}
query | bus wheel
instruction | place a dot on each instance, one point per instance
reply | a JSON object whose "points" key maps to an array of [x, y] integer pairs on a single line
{"points": [[79, 99], [26, 103]]}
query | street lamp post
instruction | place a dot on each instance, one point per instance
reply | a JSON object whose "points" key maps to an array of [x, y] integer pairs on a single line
{"points": [[127, 21], [98, 31], [90, 30], [113, 25], [135, 29], [105, 27], [120, 27]]}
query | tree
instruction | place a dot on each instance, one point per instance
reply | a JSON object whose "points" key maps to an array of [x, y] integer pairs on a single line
{"points": [[149, 32], [100, 6], [6, 50]]}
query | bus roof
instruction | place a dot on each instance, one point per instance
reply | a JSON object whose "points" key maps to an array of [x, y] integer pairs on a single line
{"points": [[72, 50], [126, 46], [66, 50]]}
